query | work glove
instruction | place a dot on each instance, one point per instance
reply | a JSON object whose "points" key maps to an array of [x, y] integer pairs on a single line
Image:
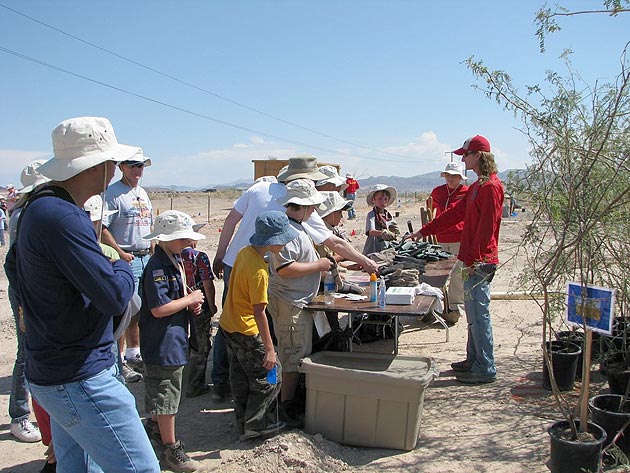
{"points": [[394, 228], [388, 236]]}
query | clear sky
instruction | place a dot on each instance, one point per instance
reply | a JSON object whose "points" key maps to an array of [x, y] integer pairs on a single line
{"points": [[382, 75]]}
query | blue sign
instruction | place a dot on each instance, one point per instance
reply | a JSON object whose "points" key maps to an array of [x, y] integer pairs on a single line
{"points": [[592, 305]]}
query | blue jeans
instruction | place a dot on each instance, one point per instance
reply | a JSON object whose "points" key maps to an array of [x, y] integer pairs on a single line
{"points": [[137, 266], [95, 426], [351, 213], [480, 345], [220, 363], [18, 399]]}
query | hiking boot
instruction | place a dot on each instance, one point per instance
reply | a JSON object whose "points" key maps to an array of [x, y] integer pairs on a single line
{"points": [[468, 377], [175, 458], [136, 363], [130, 375], [25, 431], [461, 366], [153, 431], [276, 427], [220, 392]]}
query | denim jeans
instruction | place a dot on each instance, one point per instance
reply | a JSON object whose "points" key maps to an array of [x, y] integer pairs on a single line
{"points": [[137, 266], [480, 345], [351, 213], [95, 426], [18, 399], [220, 363]]}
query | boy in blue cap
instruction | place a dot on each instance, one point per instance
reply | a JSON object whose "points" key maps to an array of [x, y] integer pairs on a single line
{"points": [[244, 325]]}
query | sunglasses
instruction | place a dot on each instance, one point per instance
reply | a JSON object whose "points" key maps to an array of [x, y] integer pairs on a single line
{"points": [[134, 164]]}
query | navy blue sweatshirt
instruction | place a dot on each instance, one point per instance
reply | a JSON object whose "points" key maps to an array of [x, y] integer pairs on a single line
{"points": [[69, 292]]}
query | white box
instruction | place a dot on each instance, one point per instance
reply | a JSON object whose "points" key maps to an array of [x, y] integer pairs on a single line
{"points": [[366, 399], [400, 295]]}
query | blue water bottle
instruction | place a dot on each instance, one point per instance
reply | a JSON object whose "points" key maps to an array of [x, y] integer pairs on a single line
{"points": [[272, 375]]}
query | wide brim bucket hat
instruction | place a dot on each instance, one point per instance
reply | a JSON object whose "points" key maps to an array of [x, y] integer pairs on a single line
{"points": [[173, 225], [302, 192], [94, 206], [82, 143], [381, 187], [333, 177], [454, 169], [273, 228], [31, 177], [302, 167], [333, 202], [139, 157]]}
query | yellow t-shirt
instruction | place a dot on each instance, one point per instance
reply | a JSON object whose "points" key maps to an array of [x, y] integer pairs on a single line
{"points": [[249, 280]]}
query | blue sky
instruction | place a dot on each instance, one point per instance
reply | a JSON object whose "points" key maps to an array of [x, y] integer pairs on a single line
{"points": [[386, 75]]}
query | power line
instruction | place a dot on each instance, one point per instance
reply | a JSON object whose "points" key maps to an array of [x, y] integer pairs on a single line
{"points": [[200, 89], [190, 112]]}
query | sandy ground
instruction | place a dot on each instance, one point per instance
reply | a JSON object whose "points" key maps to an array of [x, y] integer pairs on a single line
{"points": [[490, 428]]}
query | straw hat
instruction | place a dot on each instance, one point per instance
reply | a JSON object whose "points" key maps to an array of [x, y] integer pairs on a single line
{"points": [[273, 228], [94, 206], [302, 192], [381, 187], [302, 167], [173, 225], [454, 169], [82, 143], [31, 177], [333, 202]]}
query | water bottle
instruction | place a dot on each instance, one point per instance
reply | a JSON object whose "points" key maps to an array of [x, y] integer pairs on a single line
{"points": [[329, 288], [373, 288], [381, 293], [272, 375]]}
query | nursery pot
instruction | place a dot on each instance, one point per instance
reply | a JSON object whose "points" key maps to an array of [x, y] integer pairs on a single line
{"points": [[577, 337], [618, 376], [564, 359], [571, 455], [606, 412]]}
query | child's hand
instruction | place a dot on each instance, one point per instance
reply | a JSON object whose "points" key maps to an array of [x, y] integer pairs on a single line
{"points": [[195, 300], [270, 360], [324, 264]]}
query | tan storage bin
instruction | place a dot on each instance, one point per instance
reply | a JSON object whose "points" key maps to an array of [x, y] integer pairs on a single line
{"points": [[366, 399]]}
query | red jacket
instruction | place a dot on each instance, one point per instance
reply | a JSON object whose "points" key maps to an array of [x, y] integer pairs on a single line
{"points": [[443, 201], [481, 210], [353, 185]]}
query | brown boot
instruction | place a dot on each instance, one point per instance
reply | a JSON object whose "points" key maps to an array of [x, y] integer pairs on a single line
{"points": [[175, 458]]}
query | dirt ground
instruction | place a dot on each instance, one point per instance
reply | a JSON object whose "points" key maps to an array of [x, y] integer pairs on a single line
{"points": [[501, 427]]}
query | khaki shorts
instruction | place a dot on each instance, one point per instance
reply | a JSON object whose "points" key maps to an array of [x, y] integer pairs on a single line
{"points": [[162, 389], [294, 332]]}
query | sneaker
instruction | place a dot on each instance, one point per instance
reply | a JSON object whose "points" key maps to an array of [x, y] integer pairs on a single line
{"points": [[220, 392], [25, 431], [270, 429], [175, 458], [130, 375], [461, 366], [136, 363], [153, 431], [468, 377]]}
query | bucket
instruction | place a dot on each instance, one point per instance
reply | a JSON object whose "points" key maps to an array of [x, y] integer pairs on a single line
{"points": [[564, 360]]}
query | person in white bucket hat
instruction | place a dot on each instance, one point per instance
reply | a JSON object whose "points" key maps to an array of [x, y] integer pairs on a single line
{"points": [[168, 306], [442, 198], [69, 292], [293, 283], [334, 182]]}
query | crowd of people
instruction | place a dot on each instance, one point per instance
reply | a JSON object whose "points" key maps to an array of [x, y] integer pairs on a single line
{"points": [[105, 293]]}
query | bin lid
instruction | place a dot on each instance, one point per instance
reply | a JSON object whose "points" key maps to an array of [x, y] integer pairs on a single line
{"points": [[420, 370]]}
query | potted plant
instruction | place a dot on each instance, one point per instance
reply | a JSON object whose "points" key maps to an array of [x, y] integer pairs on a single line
{"points": [[578, 187]]}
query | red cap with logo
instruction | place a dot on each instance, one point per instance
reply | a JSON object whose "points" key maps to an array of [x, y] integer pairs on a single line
{"points": [[476, 143]]}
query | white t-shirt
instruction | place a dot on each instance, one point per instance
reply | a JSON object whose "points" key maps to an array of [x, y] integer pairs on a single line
{"points": [[134, 218], [259, 198]]}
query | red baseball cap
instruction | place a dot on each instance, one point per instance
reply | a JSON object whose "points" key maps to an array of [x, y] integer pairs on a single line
{"points": [[476, 143]]}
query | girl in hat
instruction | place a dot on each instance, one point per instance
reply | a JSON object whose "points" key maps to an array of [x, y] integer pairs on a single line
{"points": [[379, 224]]}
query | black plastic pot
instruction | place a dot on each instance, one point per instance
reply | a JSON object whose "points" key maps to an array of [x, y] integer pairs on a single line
{"points": [[618, 375], [564, 359], [577, 337], [605, 412], [570, 456]]}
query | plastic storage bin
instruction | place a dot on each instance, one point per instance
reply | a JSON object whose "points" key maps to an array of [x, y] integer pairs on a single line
{"points": [[366, 399]]}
